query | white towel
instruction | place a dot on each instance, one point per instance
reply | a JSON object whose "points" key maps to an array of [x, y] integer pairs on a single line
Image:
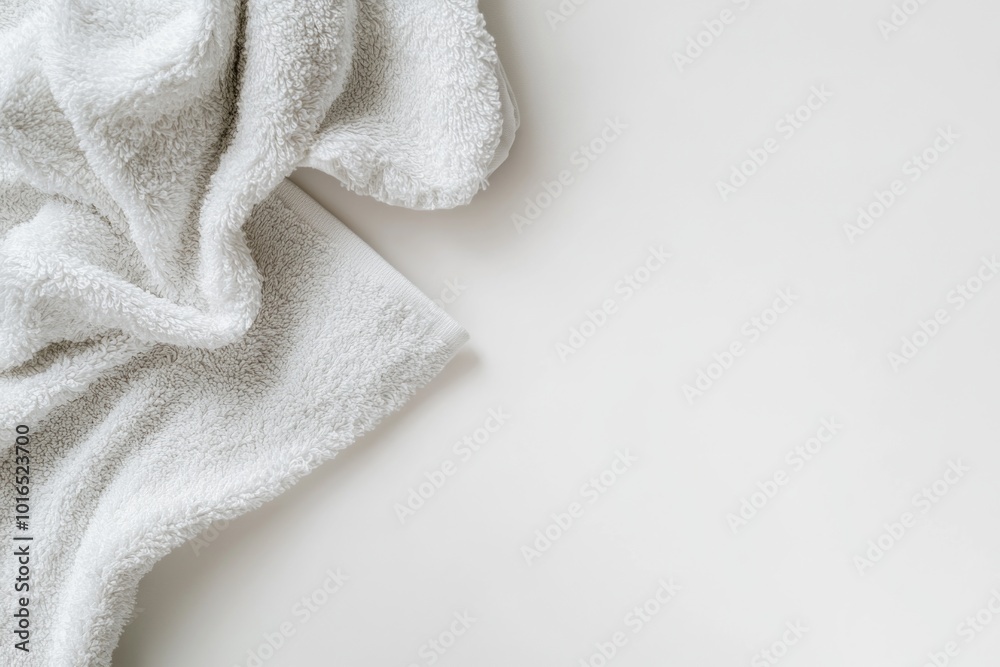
{"points": [[181, 437], [183, 332], [135, 138]]}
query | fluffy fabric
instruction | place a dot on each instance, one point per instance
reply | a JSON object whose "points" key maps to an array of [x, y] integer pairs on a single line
{"points": [[178, 438], [182, 331], [151, 129]]}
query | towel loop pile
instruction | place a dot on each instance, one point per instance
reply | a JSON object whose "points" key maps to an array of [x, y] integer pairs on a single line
{"points": [[144, 146]]}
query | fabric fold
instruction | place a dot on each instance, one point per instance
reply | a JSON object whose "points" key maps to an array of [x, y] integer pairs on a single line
{"points": [[175, 439], [183, 332], [152, 129]]}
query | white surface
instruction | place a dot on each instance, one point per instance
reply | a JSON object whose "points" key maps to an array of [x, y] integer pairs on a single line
{"points": [[666, 516]]}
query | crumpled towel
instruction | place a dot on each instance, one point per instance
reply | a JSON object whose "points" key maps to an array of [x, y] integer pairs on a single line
{"points": [[179, 439], [137, 136], [184, 333]]}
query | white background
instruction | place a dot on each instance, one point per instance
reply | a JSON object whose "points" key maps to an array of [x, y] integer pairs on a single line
{"points": [[213, 602]]}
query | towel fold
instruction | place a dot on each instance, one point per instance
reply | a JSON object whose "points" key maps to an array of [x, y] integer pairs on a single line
{"points": [[136, 137], [184, 333], [179, 438]]}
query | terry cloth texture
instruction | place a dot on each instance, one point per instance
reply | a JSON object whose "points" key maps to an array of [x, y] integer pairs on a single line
{"points": [[183, 332], [181, 437], [136, 137]]}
